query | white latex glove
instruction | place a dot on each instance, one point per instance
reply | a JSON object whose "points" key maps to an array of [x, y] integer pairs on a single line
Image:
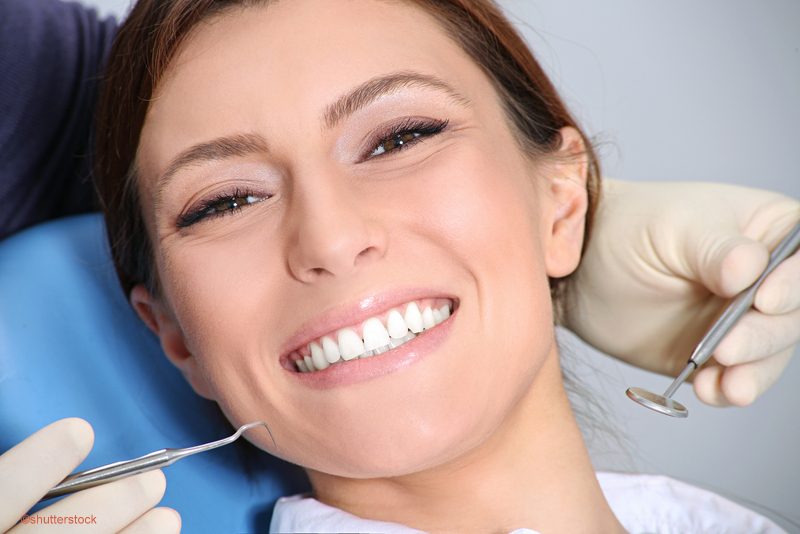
{"points": [[662, 263], [30, 469]]}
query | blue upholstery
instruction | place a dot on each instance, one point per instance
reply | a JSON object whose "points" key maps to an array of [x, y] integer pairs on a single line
{"points": [[71, 346]]}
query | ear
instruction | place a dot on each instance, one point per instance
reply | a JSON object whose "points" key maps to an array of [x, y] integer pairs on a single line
{"points": [[570, 201], [166, 327]]}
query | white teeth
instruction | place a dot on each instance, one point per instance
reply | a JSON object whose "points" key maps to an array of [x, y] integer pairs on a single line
{"points": [[375, 334], [413, 318], [330, 349], [302, 366], [427, 319], [350, 345], [377, 338], [318, 357], [396, 325]]}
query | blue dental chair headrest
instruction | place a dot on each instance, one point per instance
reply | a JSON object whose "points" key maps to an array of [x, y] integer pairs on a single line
{"points": [[70, 346]]}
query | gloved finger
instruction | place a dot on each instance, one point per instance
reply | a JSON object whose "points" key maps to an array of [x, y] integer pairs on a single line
{"points": [[108, 508], [780, 291], [707, 385], [739, 385], [725, 262], [757, 336], [31, 468], [157, 520], [743, 384]]}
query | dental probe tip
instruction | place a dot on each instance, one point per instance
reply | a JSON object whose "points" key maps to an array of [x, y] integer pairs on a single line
{"points": [[248, 426]]}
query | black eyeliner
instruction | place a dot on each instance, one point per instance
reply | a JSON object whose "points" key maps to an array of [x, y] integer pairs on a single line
{"points": [[204, 210], [425, 127]]}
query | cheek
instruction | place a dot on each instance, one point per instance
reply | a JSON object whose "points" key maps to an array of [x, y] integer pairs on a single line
{"points": [[217, 289], [488, 210]]}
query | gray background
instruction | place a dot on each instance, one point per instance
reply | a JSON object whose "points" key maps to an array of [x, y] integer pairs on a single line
{"points": [[682, 90]]}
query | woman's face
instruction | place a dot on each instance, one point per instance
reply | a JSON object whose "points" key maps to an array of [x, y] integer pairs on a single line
{"points": [[315, 164]]}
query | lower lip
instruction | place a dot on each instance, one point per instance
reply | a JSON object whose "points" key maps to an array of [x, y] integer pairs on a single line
{"points": [[360, 370]]}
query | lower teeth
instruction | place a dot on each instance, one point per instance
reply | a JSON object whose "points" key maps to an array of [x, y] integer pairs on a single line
{"points": [[393, 344]]}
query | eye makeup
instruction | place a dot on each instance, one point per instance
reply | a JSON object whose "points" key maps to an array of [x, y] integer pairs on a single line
{"points": [[218, 205], [404, 135]]}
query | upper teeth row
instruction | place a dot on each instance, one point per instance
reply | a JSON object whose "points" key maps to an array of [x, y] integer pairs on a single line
{"points": [[378, 338]]}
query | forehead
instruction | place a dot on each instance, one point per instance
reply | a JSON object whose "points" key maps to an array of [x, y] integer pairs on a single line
{"points": [[279, 66]]}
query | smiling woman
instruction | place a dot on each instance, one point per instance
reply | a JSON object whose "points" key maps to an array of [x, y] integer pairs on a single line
{"points": [[351, 219]]}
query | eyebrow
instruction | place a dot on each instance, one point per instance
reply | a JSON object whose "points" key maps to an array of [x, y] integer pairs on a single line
{"points": [[220, 148], [373, 89]]}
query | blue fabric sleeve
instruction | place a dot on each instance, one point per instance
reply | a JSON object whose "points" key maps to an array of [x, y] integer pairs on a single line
{"points": [[51, 56]]}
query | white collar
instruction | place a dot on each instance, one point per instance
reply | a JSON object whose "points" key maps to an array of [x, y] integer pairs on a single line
{"points": [[643, 504]]}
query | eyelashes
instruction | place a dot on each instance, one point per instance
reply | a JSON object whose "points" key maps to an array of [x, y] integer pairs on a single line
{"points": [[220, 204], [403, 135], [397, 138]]}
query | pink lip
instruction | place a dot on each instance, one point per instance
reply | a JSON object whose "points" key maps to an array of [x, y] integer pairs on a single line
{"points": [[347, 315]]}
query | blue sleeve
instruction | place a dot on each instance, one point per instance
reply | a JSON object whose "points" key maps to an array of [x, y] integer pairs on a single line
{"points": [[51, 56]]}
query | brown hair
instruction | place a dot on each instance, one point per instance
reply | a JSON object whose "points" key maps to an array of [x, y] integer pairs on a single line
{"points": [[154, 31]]}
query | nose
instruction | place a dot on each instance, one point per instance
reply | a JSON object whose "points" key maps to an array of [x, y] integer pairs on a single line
{"points": [[334, 231]]}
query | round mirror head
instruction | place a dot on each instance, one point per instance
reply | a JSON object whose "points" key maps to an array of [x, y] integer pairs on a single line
{"points": [[659, 403]]}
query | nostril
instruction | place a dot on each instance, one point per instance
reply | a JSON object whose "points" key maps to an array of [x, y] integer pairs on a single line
{"points": [[366, 255]]}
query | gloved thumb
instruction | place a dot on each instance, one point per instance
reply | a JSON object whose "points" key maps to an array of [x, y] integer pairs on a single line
{"points": [[725, 262]]}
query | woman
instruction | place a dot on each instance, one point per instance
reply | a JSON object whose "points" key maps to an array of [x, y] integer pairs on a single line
{"points": [[460, 214]]}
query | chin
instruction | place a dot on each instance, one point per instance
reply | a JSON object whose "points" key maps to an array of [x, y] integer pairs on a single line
{"points": [[394, 456]]}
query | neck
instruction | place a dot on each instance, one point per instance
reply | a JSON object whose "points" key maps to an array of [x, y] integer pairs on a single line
{"points": [[533, 471]]}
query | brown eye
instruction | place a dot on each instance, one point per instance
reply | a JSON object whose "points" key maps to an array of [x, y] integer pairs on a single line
{"points": [[230, 204], [219, 206], [409, 132], [395, 142]]}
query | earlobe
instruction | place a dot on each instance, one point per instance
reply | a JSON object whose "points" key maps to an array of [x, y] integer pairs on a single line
{"points": [[169, 332], [570, 202]]}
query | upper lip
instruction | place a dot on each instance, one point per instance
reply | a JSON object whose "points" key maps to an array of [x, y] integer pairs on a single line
{"points": [[356, 312]]}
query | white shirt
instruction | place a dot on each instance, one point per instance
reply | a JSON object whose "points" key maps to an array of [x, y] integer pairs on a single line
{"points": [[644, 504]]}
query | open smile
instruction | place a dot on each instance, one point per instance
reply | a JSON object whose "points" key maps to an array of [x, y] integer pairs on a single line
{"points": [[376, 335]]}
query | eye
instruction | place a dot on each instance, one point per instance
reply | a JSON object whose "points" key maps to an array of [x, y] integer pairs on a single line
{"points": [[219, 205], [405, 134], [395, 142]]}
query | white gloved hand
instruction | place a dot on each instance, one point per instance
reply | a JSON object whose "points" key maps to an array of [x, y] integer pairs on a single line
{"points": [[662, 262], [30, 469]]}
